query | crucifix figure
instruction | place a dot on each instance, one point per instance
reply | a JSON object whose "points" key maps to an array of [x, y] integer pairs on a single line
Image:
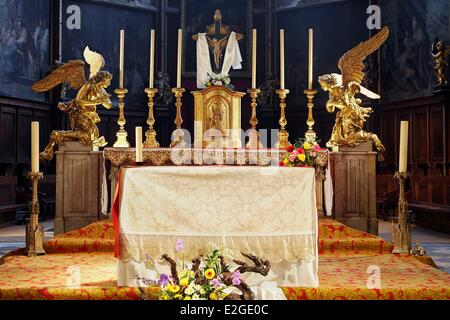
{"points": [[217, 35]]}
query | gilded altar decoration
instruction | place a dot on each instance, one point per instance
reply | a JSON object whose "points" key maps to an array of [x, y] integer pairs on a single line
{"points": [[82, 110], [351, 117], [209, 277], [440, 53], [217, 115]]}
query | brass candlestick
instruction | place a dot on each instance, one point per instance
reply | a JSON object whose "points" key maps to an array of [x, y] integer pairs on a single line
{"points": [[178, 134], [401, 231], [34, 230], [150, 134], [310, 135], [283, 135], [121, 135], [253, 141]]}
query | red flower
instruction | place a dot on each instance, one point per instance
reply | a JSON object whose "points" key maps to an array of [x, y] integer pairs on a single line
{"points": [[300, 150], [290, 148], [281, 164]]}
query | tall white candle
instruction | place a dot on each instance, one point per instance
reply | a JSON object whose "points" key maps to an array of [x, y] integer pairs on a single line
{"points": [[139, 157], [34, 146], [310, 59], [122, 58], [403, 157], [180, 38], [282, 59], [152, 57], [254, 59]]}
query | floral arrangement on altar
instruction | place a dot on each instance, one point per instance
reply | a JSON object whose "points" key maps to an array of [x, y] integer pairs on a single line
{"points": [[302, 154], [215, 79], [208, 278]]}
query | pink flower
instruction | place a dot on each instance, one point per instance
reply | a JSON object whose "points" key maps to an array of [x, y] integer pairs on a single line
{"points": [[292, 157], [317, 148]]}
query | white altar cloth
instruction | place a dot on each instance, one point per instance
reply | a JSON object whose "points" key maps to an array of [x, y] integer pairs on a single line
{"points": [[269, 212]]}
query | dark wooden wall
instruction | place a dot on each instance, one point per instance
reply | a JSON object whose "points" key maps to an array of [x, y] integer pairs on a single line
{"points": [[428, 154]]}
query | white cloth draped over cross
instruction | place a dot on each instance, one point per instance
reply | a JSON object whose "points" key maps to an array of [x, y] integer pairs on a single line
{"points": [[232, 58]]}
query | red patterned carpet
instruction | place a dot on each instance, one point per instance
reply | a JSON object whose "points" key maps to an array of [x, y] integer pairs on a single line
{"points": [[345, 256]]}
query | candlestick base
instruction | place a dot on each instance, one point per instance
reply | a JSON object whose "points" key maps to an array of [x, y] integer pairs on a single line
{"points": [[283, 135], [178, 134], [34, 240], [34, 230], [401, 231], [121, 141], [253, 138], [150, 134], [283, 140]]}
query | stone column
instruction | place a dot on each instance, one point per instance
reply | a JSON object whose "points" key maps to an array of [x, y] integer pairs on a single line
{"points": [[79, 173], [354, 183]]}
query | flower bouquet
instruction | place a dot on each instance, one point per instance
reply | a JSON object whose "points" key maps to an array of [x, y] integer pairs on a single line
{"points": [[215, 79], [302, 154], [209, 277]]}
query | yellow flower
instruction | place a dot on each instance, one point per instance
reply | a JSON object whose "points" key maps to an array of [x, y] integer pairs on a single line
{"points": [[164, 297], [210, 274], [184, 282], [187, 298], [301, 157], [307, 146], [213, 296], [175, 289], [286, 161], [178, 296], [168, 287]]}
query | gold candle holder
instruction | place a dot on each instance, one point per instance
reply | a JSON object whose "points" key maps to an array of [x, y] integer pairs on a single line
{"points": [[310, 135], [121, 135], [34, 230], [150, 134], [253, 141], [178, 134], [401, 231], [283, 135]]}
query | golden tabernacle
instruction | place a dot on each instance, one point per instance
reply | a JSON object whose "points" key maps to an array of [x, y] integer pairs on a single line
{"points": [[217, 117]]}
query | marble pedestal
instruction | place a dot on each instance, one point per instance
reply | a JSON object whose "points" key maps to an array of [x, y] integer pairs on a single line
{"points": [[354, 182], [79, 173]]}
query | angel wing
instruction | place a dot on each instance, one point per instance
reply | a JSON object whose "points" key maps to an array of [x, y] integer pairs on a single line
{"points": [[364, 91], [352, 63], [95, 60], [71, 73]]}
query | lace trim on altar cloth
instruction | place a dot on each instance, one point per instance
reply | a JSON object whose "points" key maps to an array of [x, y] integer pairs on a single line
{"points": [[276, 249]]}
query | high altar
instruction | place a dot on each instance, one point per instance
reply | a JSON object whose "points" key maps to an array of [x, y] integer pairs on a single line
{"points": [[210, 195]]}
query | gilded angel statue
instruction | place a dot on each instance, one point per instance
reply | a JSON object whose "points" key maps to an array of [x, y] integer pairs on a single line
{"points": [[82, 110], [343, 89], [440, 53]]}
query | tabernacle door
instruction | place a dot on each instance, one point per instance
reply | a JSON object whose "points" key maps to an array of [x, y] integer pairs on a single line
{"points": [[217, 116]]}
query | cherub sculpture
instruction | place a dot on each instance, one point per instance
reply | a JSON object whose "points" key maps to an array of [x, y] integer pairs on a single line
{"points": [[440, 53], [351, 117], [82, 110]]}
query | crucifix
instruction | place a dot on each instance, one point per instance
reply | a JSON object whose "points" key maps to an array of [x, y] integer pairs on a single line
{"points": [[217, 35]]}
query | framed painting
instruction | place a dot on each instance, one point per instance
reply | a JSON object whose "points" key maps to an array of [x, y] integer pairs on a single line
{"points": [[407, 69], [103, 36], [24, 47], [196, 15]]}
